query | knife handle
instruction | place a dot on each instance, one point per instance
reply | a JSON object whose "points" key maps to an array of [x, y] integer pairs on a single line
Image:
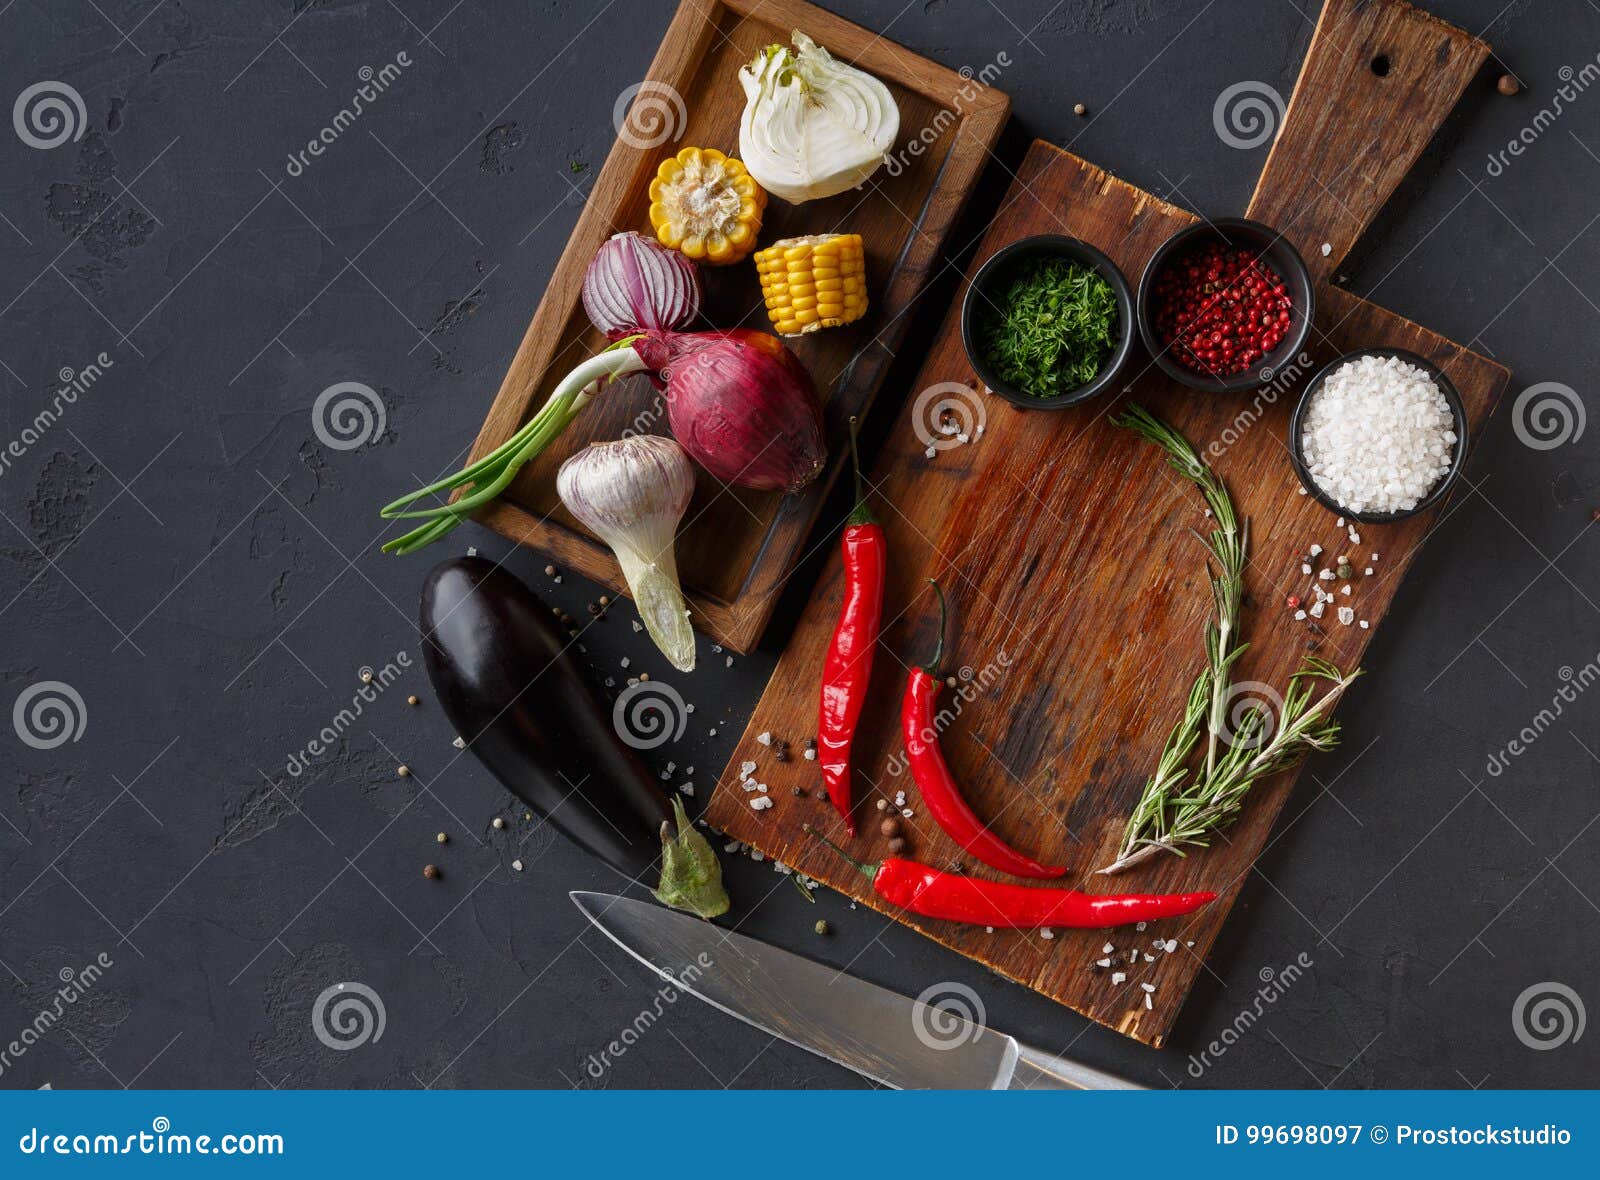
{"points": [[1037, 1070]]}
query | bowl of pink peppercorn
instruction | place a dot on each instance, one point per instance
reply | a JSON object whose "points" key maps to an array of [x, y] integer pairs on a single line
{"points": [[1224, 304]]}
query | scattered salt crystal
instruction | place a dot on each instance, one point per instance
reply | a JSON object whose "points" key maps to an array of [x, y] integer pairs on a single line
{"points": [[1149, 987], [1119, 977], [1316, 551], [986, 929], [1047, 933], [1149, 958], [687, 789], [1363, 624], [1347, 615], [811, 755], [712, 732], [517, 864], [1367, 573], [1299, 615], [637, 626], [1140, 927], [1305, 568], [1317, 608], [930, 452], [1325, 575], [760, 803], [728, 662], [459, 743], [1107, 949], [907, 812], [765, 738], [1149, 1002], [688, 708], [1374, 557], [1102, 962], [899, 798], [1327, 249], [1345, 589], [472, 551], [762, 787], [1172, 945], [625, 661]]}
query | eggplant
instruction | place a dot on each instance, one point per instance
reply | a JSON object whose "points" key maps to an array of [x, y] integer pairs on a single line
{"points": [[499, 666]]}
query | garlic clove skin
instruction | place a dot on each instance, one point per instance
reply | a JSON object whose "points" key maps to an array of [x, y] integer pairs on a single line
{"points": [[812, 126], [632, 493]]}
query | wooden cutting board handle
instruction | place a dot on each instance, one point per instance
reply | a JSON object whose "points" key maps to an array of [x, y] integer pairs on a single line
{"points": [[1378, 81]]}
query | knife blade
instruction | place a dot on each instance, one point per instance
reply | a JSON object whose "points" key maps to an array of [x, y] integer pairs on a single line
{"points": [[932, 1042]]}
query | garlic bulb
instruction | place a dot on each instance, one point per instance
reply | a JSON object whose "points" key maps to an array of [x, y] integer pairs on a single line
{"points": [[631, 494], [812, 126]]}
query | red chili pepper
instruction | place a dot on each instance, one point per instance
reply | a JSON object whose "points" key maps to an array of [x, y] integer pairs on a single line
{"points": [[958, 898], [940, 792], [848, 668]]}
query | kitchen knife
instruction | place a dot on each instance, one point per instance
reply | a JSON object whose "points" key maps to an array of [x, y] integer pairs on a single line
{"points": [[926, 1043]]}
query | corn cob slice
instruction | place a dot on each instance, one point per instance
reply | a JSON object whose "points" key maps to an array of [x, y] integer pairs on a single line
{"points": [[813, 282], [706, 206]]}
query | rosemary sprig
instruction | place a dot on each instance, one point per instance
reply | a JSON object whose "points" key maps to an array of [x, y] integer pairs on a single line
{"points": [[1174, 811], [1226, 545]]}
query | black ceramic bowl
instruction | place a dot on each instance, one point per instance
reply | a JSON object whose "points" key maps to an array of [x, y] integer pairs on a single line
{"points": [[1276, 252], [1458, 412], [985, 291]]}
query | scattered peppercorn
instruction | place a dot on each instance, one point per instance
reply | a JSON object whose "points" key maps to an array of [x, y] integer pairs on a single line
{"points": [[594, 609], [796, 792], [897, 846], [404, 772], [1294, 601], [499, 824], [1508, 85], [644, 676], [442, 838], [822, 927], [412, 700], [549, 571], [1080, 110], [431, 872], [1346, 570], [890, 827], [605, 600]]}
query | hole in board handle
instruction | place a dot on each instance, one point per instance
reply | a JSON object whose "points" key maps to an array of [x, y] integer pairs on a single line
{"points": [[1380, 65]]}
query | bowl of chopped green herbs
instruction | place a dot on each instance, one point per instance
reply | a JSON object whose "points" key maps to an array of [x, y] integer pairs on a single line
{"points": [[1048, 322]]}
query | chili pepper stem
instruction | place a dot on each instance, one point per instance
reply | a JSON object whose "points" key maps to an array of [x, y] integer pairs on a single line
{"points": [[869, 870], [932, 666], [860, 514]]}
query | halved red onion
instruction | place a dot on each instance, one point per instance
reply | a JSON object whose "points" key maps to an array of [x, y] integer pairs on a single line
{"points": [[635, 284]]}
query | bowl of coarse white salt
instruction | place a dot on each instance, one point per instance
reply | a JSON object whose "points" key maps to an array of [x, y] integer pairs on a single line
{"points": [[1378, 435]]}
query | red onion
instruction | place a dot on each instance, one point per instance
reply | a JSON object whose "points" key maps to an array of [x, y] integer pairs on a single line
{"points": [[741, 404], [635, 284]]}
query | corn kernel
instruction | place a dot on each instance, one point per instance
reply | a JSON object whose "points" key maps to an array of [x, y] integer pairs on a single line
{"points": [[813, 282]]}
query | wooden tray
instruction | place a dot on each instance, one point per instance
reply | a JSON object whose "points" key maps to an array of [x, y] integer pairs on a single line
{"points": [[736, 547], [1064, 543]]}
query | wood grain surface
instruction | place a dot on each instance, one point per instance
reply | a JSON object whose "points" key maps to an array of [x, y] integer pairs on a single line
{"points": [[736, 547], [1079, 593]]}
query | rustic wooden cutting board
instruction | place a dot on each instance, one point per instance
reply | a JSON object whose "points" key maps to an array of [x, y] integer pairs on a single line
{"points": [[1079, 594], [736, 547]]}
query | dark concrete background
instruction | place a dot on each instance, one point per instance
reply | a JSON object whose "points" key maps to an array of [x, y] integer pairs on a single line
{"points": [[182, 551]]}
